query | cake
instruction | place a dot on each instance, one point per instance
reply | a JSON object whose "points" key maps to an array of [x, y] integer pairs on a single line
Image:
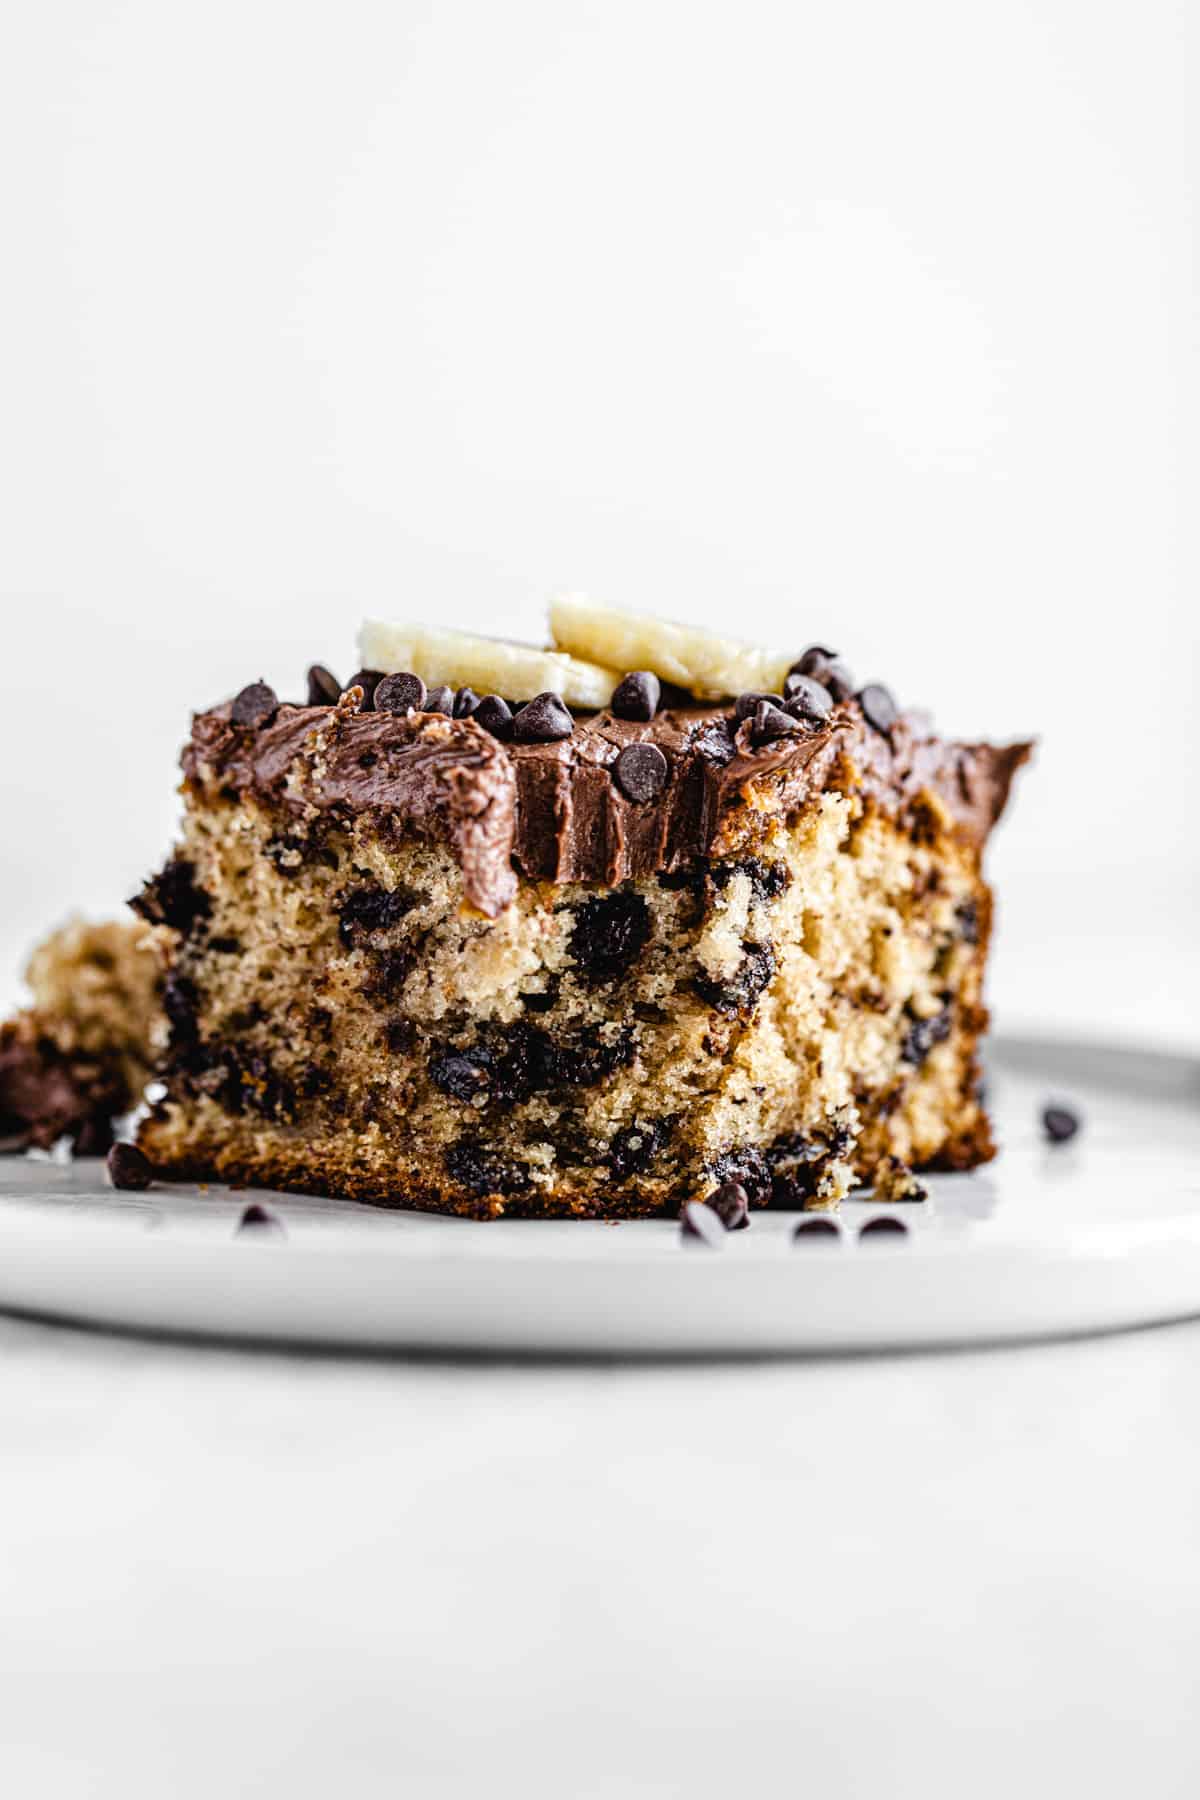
{"points": [[596, 944], [80, 1056]]}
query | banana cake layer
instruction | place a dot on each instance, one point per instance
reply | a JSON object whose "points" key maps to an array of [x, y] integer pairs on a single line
{"points": [[414, 964]]}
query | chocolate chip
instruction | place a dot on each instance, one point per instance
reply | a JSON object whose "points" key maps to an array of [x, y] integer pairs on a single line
{"points": [[740, 992], [807, 699], [255, 706], [771, 722], [1060, 1123], [495, 716], [827, 668], [368, 680], [641, 772], [746, 704], [371, 908], [324, 688], [699, 1224], [879, 709], [463, 1076], [633, 1149], [745, 1166], [173, 897], [545, 720], [768, 880], [817, 1227], [610, 932], [400, 694], [923, 1034], [465, 702], [883, 1227], [128, 1168], [439, 700], [731, 1204], [482, 1172], [637, 696], [259, 1221]]}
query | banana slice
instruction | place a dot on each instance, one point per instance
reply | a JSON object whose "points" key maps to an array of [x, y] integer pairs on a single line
{"points": [[710, 667], [517, 671]]}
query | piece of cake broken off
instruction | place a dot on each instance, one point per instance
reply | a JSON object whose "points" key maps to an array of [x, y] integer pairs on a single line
{"points": [[417, 966]]}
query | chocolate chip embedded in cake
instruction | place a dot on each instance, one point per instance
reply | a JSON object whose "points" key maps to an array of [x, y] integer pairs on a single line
{"points": [[520, 954]]}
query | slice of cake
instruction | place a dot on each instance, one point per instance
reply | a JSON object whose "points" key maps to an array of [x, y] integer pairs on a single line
{"points": [[586, 945], [81, 1054]]}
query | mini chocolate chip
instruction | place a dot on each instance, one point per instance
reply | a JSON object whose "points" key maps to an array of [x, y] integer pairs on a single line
{"points": [[817, 1226], [128, 1168], [837, 678], [439, 700], [464, 1076], [368, 680], [324, 688], [545, 720], [260, 1221], [807, 699], [814, 655], [1060, 1123], [641, 772], [400, 694], [731, 1204], [610, 933], [883, 1227], [827, 668], [770, 722], [879, 709], [637, 696], [256, 705], [465, 702], [745, 704], [495, 716], [699, 1224]]}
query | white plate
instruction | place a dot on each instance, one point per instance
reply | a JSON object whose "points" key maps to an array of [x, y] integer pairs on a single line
{"points": [[1098, 1234]]}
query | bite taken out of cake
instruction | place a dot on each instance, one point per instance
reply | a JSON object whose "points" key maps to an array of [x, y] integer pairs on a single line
{"points": [[584, 931]]}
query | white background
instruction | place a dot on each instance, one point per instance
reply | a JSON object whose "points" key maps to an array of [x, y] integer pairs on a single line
{"points": [[868, 323], [863, 320]]}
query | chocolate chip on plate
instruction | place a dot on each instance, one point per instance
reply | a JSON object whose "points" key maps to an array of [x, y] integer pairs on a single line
{"points": [[818, 1226], [884, 1227], [400, 693], [771, 722], [544, 720], [641, 772], [745, 704], [465, 702], [879, 709], [324, 688], [495, 715], [1060, 1123], [806, 699], [128, 1168], [731, 1204], [259, 1219], [368, 680], [256, 705], [439, 700], [637, 696], [699, 1224]]}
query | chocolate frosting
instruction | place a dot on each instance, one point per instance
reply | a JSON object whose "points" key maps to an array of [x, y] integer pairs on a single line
{"points": [[553, 812]]}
